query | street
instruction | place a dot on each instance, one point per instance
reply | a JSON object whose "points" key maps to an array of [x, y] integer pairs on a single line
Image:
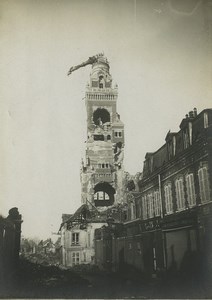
{"points": [[37, 281]]}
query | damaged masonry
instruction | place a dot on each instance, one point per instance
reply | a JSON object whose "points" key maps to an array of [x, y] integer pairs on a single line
{"points": [[102, 172]]}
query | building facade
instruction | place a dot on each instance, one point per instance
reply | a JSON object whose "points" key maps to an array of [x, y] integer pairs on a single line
{"points": [[169, 208]]}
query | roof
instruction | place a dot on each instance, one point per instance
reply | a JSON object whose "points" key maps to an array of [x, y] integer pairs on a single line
{"points": [[82, 214]]}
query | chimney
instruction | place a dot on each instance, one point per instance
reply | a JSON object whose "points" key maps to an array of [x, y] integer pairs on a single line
{"points": [[191, 114], [195, 112]]}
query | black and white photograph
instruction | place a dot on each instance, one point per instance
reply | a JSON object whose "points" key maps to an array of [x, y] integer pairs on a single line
{"points": [[106, 149]]}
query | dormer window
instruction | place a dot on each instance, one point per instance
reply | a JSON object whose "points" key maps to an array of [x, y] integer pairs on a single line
{"points": [[174, 145], [185, 139]]}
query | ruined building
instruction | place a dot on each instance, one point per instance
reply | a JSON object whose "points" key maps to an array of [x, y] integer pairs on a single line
{"points": [[102, 174]]}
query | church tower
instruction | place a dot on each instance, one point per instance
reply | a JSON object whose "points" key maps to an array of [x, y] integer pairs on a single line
{"points": [[102, 171]]}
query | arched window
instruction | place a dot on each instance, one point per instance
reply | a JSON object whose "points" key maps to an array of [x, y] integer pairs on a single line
{"points": [[103, 194]]}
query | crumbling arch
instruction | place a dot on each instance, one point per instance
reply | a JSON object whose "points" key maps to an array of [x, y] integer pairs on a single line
{"points": [[103, 194], [101, 116]]}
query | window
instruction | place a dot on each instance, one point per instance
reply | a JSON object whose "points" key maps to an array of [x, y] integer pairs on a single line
{"points": [[150, 204], [75, 238], [106, 196], [133, 213], [180, 193], [157, 203], [118, 134], [98, 137], [168, 198], [144, 207], [204, 184], [190, 189], [140, 209], [185, 139], [75, 258], [101, 195], [103, 166]]}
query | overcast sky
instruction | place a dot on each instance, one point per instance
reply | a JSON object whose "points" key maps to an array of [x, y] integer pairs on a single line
{"points": [[159, 54]]}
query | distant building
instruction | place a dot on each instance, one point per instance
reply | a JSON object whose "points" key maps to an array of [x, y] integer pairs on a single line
{"points": [[46, 246], [169, 206]]}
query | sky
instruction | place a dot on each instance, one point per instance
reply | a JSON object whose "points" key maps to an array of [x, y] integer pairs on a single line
{"points": [[160, 57]]}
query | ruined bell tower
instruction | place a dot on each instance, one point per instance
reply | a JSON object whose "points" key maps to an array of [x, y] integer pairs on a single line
{"points": [[102, 170]]}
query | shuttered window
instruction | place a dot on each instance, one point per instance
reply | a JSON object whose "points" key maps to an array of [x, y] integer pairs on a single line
{"points": [[157, 203], [150, 205], [204, 184], [190, 189], [180, 193], [168, 198]]}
